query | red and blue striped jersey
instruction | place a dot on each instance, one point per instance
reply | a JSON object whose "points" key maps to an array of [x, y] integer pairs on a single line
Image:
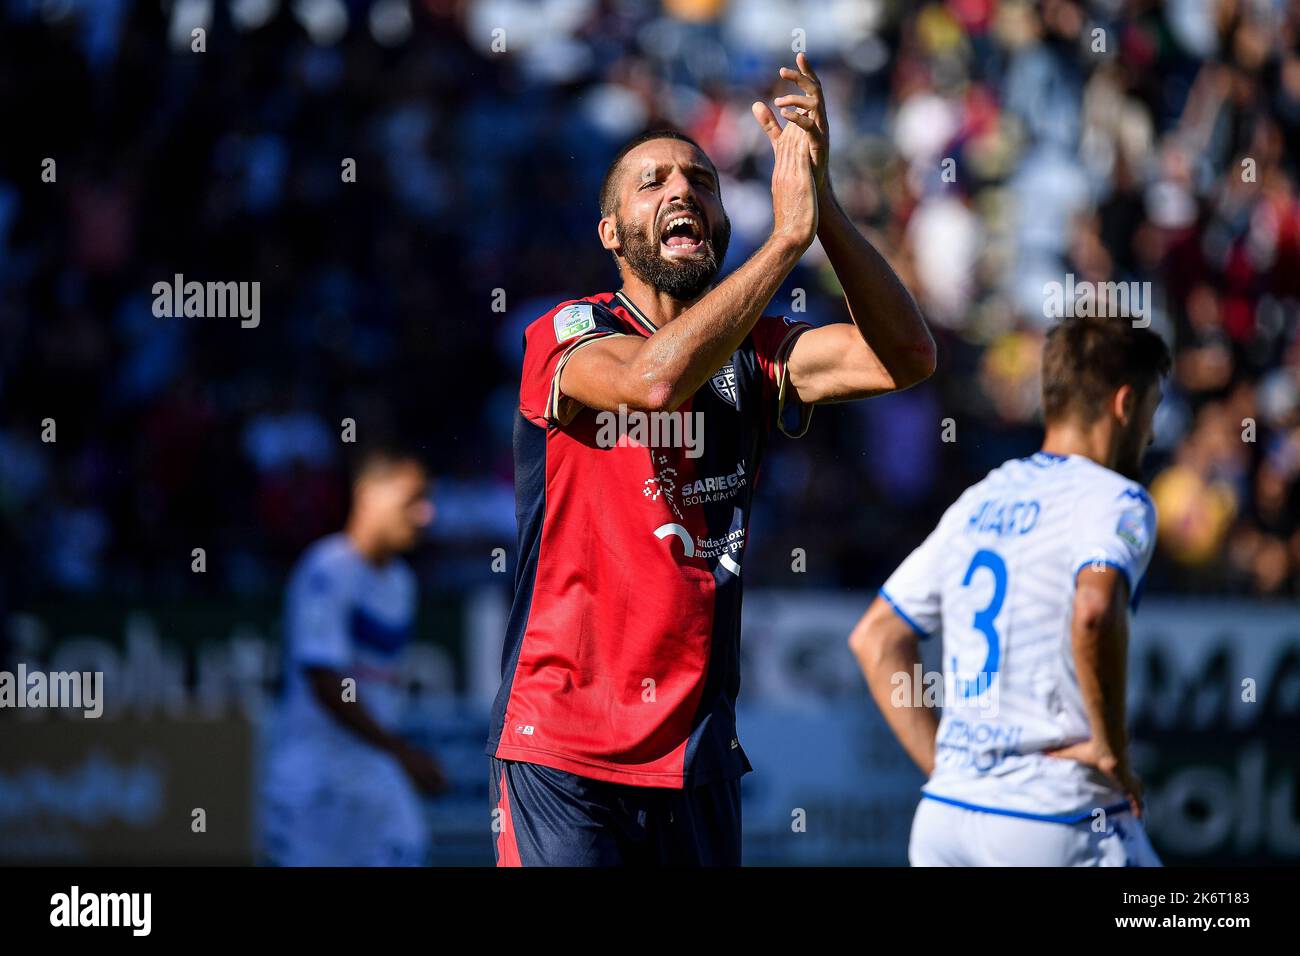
{"points": [[622, 656]]}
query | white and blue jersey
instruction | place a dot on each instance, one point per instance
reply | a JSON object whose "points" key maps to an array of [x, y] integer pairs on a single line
{"points": [[345, 614], [331, 798], [997, 579]]}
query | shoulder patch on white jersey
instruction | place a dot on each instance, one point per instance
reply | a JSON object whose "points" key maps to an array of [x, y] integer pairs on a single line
{"points": [[1132, 528], [572, 321]]}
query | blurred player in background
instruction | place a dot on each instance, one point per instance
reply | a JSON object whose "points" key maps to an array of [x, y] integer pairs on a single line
{"points": [[613, 736], [342, 787], [1030, 576]]}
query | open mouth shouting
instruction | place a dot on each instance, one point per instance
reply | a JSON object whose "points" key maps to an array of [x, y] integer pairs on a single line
{"points": [[682, 236], [679, 254]]}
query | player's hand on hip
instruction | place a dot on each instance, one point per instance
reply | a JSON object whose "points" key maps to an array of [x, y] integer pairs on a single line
{"points": [[806, 109], [794, 191], [1090, 754]]}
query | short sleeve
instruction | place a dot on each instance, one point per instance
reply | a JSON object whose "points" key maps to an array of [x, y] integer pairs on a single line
{"points": [[1116, 529], [319, 626], [774, 337], [914, 589], [549, 343]]}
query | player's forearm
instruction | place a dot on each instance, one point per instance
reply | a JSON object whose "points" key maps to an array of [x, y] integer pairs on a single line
{"points": [[879, 304], [1099, 639], [679, 358], [884, 663], [328, 688]]}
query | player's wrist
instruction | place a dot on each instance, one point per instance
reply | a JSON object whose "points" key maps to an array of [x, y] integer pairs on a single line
{"points": [[1110, 760], [788, 245], [826, 201]]}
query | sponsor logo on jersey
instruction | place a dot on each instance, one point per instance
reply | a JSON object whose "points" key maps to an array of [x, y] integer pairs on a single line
{"points": [[721, 548], [663, 483], [715, 488], [697, 492]]}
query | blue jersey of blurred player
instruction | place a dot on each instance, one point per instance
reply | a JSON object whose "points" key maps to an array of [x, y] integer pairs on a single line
{"points": [[1030, 577], [341, 787]]}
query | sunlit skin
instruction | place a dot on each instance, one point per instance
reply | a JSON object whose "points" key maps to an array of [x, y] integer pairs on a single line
{"points": [[886, 345], [664, 180], [1116, 439]]}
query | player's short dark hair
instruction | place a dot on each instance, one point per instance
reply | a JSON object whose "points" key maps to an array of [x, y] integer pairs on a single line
{"points": [[1087, 358], [379, 457], [609, 185]]}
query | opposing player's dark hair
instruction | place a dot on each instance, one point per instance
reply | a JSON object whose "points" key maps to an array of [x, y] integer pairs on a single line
{"points": [[1087, 358], [607, 185], [380, 455]]}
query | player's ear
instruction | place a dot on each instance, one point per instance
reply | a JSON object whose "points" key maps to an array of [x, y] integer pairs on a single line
{"points": [[608, 234], [1124, 403]]}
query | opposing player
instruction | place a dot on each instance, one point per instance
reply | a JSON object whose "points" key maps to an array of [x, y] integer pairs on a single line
{"points": [[341, 785], [1030, 577], [613, 736]]}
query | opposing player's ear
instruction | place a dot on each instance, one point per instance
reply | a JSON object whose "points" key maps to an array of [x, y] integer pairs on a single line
{"points": [[608, 234]]}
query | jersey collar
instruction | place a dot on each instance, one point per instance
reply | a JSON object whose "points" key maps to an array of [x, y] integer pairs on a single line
{"points": [[635, 312]]}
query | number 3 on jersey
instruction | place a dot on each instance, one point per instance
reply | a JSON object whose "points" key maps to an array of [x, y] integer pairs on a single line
{"points": [[983, 621]]}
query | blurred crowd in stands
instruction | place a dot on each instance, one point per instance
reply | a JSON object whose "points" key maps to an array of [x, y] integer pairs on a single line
{"points": [[988, 148]]}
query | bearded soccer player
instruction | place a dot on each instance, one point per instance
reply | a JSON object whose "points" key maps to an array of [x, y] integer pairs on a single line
{"points": [[613, 737]]}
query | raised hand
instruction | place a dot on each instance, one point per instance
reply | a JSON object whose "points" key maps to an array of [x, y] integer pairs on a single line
{"points": [[806, 110], [794, 189]]}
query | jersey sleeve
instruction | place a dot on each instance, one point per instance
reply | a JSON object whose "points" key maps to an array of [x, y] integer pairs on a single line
{"points": [[774, 336], [914, 590], [1115, 528], [319, 627], [549, 343]]}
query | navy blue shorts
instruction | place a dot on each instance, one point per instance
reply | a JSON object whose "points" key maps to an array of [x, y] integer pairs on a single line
{"points": [[547, 817]]}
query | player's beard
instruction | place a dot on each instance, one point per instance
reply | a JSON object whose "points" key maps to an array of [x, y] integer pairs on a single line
{"points": [[682, 279]]}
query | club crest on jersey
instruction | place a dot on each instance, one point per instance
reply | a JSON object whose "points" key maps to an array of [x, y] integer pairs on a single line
{"points": [[572, 321], [724, 383]]}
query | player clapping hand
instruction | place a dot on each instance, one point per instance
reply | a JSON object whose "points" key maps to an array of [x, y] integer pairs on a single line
{"points": [[807, 111]]}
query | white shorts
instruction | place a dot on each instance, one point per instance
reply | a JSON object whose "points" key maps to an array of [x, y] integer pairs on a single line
{"points": [[947, 835], [341, 809]]}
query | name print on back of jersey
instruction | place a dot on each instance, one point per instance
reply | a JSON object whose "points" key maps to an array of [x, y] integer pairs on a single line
{"points": [[1004, 518]]}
